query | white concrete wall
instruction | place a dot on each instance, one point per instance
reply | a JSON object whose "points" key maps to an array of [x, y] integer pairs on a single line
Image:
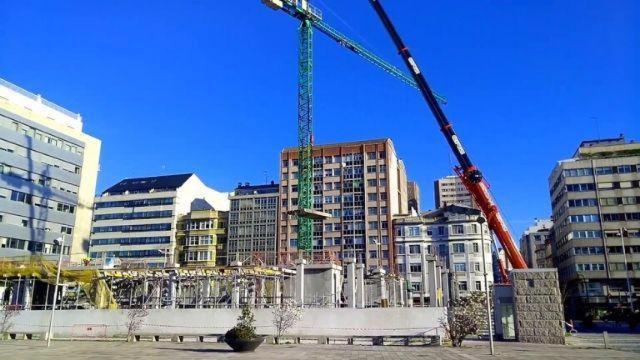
{"points": [[336, 322]]}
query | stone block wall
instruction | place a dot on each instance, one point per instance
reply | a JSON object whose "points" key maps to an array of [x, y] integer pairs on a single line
{"points": [[538, 308]]}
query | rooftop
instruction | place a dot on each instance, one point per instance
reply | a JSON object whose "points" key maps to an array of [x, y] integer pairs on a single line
{"points": [[248, 189], [347, 143], [149, 183]]}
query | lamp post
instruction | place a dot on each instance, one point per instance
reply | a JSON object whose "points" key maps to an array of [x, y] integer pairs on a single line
{"points": [[626, 269], [60, 243], [481, 221]]}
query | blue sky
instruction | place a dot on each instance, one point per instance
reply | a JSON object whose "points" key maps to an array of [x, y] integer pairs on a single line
{"points": [[210, 86]]}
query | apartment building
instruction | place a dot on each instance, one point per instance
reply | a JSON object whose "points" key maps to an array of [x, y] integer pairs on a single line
{"points": [[595, 197], [48, 171], [202, 238], [253, 221], [454, 236], [362, 185], [533, 243], [136, 219], [450, 190], [413, 196]]}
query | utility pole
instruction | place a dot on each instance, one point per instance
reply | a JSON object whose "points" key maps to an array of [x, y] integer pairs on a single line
{"points": [[60, 243], [481, 221]]}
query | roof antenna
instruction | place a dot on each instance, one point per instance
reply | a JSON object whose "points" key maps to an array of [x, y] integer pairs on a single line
{"points": [[266, 180]]}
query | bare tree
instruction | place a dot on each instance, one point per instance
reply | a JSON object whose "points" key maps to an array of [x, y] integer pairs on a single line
{"points": [[285, 316], [464, 317], [135, 320], [7, 313]]}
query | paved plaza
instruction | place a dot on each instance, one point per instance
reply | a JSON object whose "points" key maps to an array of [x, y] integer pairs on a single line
{"points": [[151, 350]]}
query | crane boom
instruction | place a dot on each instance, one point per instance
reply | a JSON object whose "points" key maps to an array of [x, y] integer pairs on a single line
{"points": [[305, 11], [471, 177]]}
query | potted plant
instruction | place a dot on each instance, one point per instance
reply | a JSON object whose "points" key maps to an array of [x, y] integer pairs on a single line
{"points": [[242, 337]]}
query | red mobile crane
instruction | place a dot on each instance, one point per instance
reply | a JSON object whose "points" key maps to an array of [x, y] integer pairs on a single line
{"points": [[469, 174]]}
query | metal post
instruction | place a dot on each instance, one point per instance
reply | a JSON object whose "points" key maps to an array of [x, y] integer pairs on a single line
{"points": [[481, 220], [55, 291], [626, 269]]}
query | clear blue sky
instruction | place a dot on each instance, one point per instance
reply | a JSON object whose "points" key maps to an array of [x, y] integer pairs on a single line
{"points": [[210, 86]]}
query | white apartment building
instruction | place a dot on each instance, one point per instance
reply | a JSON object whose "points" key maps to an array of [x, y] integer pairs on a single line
{"points": [[136, 219], [533, 243], [452, 236], [48, 171]]}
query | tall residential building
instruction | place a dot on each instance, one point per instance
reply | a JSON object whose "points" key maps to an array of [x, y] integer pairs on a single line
{"points": [[413, 196], [362, 185], [595, 197], [450, 190], [453, 235], [48, 172], [136, 219], [202, 238], [532, 243], [253, 221]]}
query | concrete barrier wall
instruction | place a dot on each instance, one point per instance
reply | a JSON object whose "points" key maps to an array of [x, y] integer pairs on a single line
{"points": [[336, 322]]}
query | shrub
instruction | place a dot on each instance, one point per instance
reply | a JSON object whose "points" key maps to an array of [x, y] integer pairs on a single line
{"points": [[244, 329]]}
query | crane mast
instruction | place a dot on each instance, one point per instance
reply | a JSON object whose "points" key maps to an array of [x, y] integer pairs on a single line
{"points": [[470, 175]]}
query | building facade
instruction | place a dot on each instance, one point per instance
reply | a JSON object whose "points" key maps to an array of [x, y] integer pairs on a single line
{"points": [[136, 219], [595, 197], [253, 221], [450, 190], [362, 185], [202, 238], [533, 243], [454, 236], [48, 172]]}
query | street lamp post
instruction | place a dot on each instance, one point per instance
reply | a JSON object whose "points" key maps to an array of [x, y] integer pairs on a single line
{"points": [[481, 221], [60, 243], [626, 269]]}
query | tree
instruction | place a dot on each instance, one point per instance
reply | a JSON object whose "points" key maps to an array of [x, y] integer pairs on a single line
{"points": [[285, 316], [7, 313], [464, 317], [135, 321]]}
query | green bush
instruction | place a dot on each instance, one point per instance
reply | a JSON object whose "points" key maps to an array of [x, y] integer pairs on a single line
{"points": [[244, 329]]}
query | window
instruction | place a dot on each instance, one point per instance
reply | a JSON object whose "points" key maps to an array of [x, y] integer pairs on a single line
{"points": [[583, 218], [460, 267], [372, 211], [443, 249], [383, 196], [373, 254], [458, 248], [476, 247], [414, 249], [371, 155], [371, 169], [414, 231], [372, 197], [21, 197], [457, 229], [400, 250], [66, 230], [415, 267], [476, 267], [441, 230], [373, 225], [462, 286], [478, 286], [581, 187], [382, 168]]}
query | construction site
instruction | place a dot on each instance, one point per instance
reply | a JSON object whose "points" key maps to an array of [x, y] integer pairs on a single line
{"points": [[341, 295]]}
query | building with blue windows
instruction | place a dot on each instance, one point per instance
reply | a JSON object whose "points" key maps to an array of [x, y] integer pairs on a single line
{"points": [[48, 171], [135, 220]]}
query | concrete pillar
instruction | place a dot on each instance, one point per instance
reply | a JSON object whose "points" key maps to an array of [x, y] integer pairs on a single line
{"points": [[380, 274], [424, 284], [260, 293], [252, 295], [206, 291], [433, 282], [351, 282], [409, 293], [173, 281], [394, 287], [27, 294], [360, 286], [401, 290], [300, 264], [277, 291], [235, 294]]}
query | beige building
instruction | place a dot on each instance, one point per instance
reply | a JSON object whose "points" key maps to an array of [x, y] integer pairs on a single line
{"points": [[595, 197], [202, 238], [362, 185], [450, 190], [413, 196], [534, 241], [48, 172]]}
